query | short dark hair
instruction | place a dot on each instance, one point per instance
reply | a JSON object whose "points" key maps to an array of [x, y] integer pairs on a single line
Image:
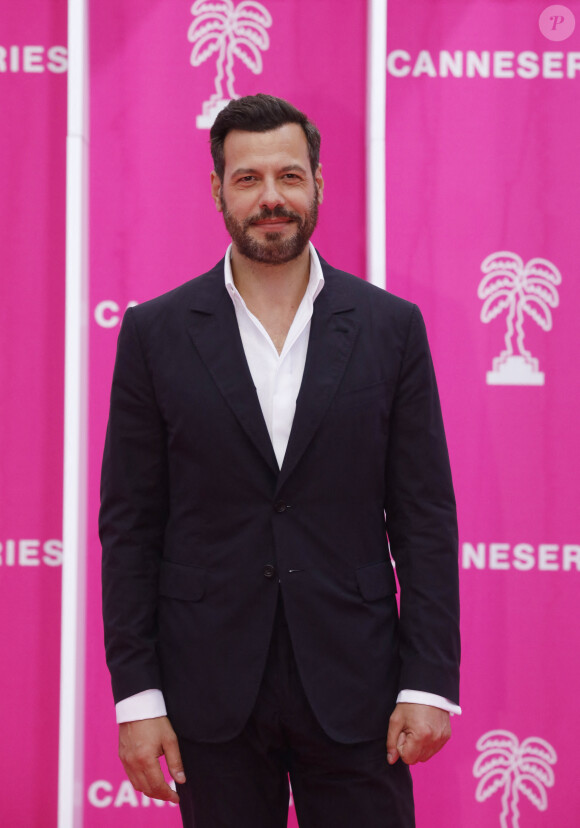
{"points": [[260, 113]]}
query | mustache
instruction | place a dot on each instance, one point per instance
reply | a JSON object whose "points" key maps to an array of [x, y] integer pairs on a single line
{"points": [[277, 212]]}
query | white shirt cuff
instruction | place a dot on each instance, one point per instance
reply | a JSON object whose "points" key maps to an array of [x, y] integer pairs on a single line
{"points": [[420, 697], [149, 704]]}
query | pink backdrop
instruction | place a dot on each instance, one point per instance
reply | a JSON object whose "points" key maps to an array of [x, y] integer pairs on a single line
{"points": [[476, 166], [482, 166], [32, 193]]}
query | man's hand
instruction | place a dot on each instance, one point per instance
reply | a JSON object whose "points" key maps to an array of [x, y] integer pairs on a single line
{"points": [[416, 733], [140, 746]]}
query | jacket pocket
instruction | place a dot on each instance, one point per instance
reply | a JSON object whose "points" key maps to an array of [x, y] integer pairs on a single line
{"points": [[376, 580], [185, 583], [362, 397]]}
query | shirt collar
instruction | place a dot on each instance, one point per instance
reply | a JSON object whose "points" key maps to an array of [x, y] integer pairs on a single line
{"points": [[315, 279]]}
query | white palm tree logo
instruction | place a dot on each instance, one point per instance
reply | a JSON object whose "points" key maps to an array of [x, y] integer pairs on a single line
{"points": [[231, 31], [517, 769], [520, 289]]}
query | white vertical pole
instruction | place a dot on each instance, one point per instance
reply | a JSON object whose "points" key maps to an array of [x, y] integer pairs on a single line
{"points": [[375, 141], [71, 741]]}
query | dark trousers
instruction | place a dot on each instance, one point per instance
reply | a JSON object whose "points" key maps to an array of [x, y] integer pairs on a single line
{"points": [[244, 783]]}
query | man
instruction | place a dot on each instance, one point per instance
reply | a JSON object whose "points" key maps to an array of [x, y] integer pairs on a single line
{"points": [[271, 421]]}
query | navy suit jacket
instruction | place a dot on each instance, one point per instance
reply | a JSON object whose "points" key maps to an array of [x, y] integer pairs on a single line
{"points": [[201, 530]]}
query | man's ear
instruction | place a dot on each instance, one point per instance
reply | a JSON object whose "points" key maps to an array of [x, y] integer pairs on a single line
{"points": [[319, 183], [216, 190]]}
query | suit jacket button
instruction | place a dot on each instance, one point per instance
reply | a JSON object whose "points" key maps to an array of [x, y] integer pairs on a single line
{"points": [[269, 571], [280, 506]]}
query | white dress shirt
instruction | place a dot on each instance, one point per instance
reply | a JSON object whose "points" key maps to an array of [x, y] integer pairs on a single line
{"points": [[277, 378]]}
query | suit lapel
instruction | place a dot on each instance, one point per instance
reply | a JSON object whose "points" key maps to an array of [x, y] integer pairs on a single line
{"points": [[333, 332], [216, 336]]}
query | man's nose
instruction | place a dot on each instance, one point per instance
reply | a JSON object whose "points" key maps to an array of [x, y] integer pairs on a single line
{"points": [[271, 195]]}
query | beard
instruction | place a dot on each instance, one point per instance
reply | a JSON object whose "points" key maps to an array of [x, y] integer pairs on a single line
{"points": [[275, 249]]}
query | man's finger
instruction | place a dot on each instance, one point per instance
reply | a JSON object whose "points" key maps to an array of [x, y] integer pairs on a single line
{"points": [[393, 735], [157, 787], [173, 759], [150, 781], [408, 749], [136, 779]]}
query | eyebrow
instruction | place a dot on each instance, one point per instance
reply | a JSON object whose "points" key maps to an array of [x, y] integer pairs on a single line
{"points": [[293, 168], [252, 171]]}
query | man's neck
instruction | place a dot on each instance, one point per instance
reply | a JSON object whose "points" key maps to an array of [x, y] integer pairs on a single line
{"points": [[272, 292], [266, 285]]}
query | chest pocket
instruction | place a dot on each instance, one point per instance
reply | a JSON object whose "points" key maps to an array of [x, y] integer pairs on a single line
{"points": [[365, 397]]}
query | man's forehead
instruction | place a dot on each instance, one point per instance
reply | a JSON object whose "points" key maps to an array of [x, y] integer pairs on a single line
{"points": [[288, 140]]}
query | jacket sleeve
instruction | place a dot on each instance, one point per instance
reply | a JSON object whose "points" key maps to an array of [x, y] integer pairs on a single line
{"points": [[422, 525], [132, 520]]}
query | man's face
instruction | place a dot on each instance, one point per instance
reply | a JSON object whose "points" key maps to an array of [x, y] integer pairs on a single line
{"points": [[268, 195]]}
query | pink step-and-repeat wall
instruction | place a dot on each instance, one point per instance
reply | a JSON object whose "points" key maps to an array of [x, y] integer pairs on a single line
{"points": [[33, 84], [483, 200]]}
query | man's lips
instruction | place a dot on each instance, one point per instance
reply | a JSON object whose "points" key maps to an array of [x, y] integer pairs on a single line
{"points": [[271, 222]]}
